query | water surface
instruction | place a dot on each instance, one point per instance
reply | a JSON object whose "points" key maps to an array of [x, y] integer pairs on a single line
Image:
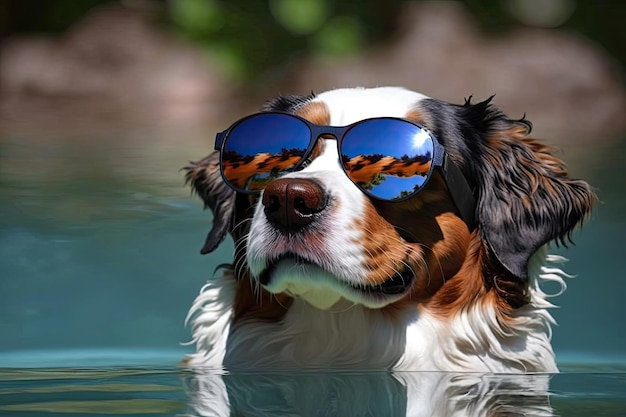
{"points": [[174, 392]]}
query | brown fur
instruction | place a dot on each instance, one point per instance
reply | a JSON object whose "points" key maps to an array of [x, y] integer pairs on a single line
{"points": [[419, 116], [316, 113], [258, 303]]}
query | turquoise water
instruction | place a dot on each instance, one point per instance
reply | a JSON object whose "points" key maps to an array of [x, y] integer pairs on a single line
{"points": [[99, 262]]}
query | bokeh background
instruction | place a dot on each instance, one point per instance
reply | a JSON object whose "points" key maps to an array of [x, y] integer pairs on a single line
{"points": [[102, 103]]}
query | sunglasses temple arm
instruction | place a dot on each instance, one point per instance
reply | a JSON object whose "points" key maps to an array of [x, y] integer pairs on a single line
{"points": [[219, 140], [460, 191]]}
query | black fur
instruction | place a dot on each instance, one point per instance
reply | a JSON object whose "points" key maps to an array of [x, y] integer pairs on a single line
{"points": [[525, 196], [206, 180], [287, 103]]}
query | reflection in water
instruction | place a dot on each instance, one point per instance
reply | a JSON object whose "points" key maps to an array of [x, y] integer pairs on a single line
{"points": [[176, 392], [86, 392], [368, 394]]}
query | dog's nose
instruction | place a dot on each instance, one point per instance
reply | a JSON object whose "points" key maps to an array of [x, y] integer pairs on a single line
{"points": [[292, 203]]}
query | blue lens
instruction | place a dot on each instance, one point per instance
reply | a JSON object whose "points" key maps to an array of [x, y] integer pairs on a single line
{"points": [[259, 148], [389, 159]]}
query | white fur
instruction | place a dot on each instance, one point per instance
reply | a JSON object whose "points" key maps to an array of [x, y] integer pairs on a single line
{"points": [[336, 252], [349, 105], [210, 317], [489, 345]]}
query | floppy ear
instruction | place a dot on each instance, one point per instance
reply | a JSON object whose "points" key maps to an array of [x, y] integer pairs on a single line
{"points": [[206, 180], [525, 195]]}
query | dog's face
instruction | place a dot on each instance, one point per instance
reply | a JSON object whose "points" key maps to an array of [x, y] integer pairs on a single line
{"points": [[314, 234]]}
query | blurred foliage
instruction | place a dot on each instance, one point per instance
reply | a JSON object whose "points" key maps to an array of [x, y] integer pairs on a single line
{"points": [[252, 39], [600, 20]]}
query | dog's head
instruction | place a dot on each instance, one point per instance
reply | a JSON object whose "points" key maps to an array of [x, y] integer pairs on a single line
{"points": [[313, 233]]}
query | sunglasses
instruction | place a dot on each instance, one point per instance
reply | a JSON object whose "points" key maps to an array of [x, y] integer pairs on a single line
{"points": [[388, 158]]}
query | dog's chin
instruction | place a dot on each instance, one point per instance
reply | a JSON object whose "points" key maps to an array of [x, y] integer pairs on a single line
{"points": [[302, 279]]}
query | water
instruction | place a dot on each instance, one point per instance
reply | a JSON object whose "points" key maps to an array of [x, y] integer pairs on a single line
{"points": [[176, 392], [99, 262]]}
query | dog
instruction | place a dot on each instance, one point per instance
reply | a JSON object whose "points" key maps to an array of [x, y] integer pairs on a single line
{"points": [[381, 229]]}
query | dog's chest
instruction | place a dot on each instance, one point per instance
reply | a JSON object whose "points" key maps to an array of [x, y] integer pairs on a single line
{"points": [[347, 336]]}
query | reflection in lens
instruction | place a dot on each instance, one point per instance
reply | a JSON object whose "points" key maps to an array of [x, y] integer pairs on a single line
{"points": [[387, 158], [259, 148]]}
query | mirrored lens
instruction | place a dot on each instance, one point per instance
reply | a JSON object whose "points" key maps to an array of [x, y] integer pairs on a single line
{"points": [[389, 159], [259, 148]]}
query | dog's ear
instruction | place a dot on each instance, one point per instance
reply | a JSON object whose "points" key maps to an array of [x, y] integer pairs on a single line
{"points": [[525, 196], [206, 180]]}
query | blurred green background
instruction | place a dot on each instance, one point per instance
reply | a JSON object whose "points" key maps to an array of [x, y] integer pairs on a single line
{"points": [[250, 37]]}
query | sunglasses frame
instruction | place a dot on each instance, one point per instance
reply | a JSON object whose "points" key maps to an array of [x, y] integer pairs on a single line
{"points": [[458, 188]]}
